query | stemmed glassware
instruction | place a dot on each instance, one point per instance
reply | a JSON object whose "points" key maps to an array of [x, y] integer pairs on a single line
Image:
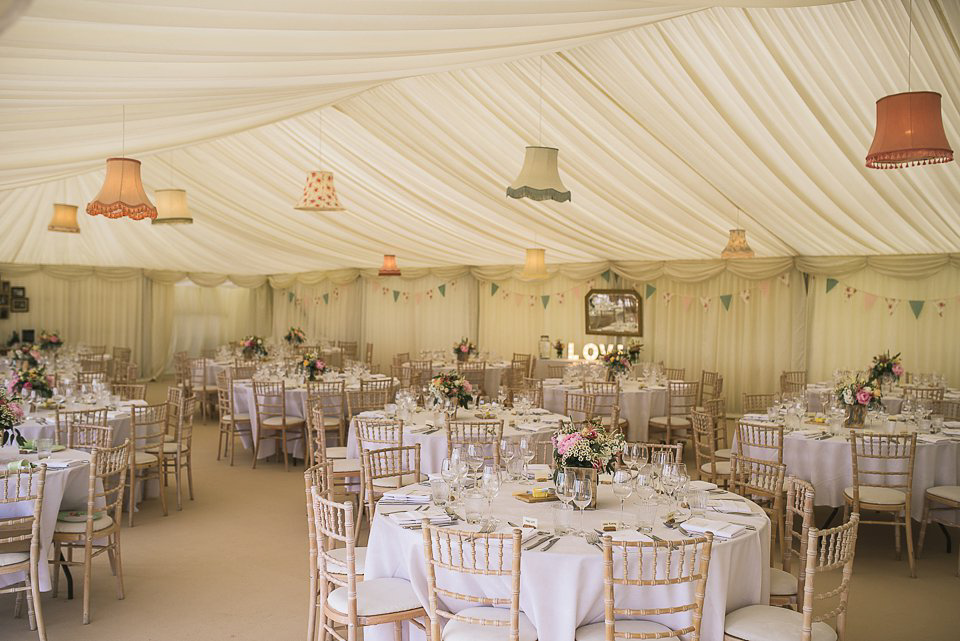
{"points": [[622, 488], [490, 484], [527, 453], [582, 497], [475, 457]]}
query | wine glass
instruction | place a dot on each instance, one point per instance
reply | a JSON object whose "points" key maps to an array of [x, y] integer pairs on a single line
{"points": [[670, 479], [475, 457], [527, 452], [630, 455], [490, 484], [582, 496], [564, 482], [622, 488]]}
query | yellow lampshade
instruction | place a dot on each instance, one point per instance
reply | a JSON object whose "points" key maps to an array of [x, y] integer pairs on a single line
{"points": [[535, 267], [319, 194], [122, 193], [539, 177], [737, 246], [172, 207], [389, 267], [64, 219]]}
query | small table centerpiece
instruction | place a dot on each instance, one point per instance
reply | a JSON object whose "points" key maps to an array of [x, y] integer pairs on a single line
{"points": [[50, 341], [464, 349], [253, 346], [295, 336], [452, 390], [558, 347], [857, 396], [617, 363], [586, 449], [312, 367], [11, 415], [886, 369], [26, 356], [32, 380]]}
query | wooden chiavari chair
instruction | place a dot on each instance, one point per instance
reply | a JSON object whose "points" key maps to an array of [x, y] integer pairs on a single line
{"points": [[827, 550], [387, 469], [128, 392], [369, 400], [99, 531], [717, 408], [475, 556], [757, 403], [332, 399], [475, 373], [273, 423], [760, 441], [519, 370], [638, 566], [647, 450], [940, 498], [526, 361], [147, 428], [485, 433], [352, 602], [675, 373], [709, 465], [342, 470], [950, 409], [402, 358], [231, 422], [578, 406], [794, 382], [243, 369], [349, 349], [762, 481], [66, 418], [408, 379], [681, 400], [786, 588], [883, 482], [89, 378], [606, 401], [711, 386], [376, 433], [932, 397], [93, 366], [20, 539], [423, 370], [178, 455], [81, 436], [122, 354], [205, 393], [556, 371]]}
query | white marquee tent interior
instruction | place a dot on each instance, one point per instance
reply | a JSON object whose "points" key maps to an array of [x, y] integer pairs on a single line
{"points": [[674, 120]]}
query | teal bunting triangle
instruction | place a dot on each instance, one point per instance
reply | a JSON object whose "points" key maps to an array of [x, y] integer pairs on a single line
{"points": [[917, 307], [545, 299], [725, 299], [396, 295], [442, 289], [493, 288], [650, 291], [831, 283], [326, 299], [606, 275]]}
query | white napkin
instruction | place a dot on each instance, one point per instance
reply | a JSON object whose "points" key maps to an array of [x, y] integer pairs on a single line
{"points": [[552, 381], [538, 411], [755, 417], [116, 413], [951, 432], [932, 438], [720, 529], [371, 414], [809, 432], [702, 485], [401, 497], [954, 424], [627, 535], [728, 506], [61, 463], [409, 518]]}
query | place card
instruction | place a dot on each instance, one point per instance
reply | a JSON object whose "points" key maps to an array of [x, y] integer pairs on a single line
{"points": [[531, 522]]}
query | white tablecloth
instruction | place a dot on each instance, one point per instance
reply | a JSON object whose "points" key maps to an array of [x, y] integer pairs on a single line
{"points": [[43, 423], [637, 404], [817, 392], [433, 447], [562, 588], [63, 489], [492, 379]]}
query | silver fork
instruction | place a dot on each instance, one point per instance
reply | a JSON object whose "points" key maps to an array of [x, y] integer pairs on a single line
{"points": [[593, 540]]}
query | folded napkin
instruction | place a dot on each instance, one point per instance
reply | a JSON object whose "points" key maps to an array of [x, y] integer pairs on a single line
{"points": [[720, 529], [552, 381], [809, 433], [729, 506], [401, 497], [19, 464], [551, 419], [754, 417], [117, 413], [537, 411], [371, 414], [411, 518], [954, 424], [701, 485], [62, 463], [627, 535], [951, 432], [932, 438]]}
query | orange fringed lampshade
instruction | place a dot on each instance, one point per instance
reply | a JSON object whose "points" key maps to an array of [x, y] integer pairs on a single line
{"points": [[737, 246], [319, 194], [64, 219], [535, 267], [909, 132], [389, 267], [122, 193]]}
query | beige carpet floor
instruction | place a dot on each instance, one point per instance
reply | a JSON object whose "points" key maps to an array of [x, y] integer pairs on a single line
{"points": [[232, 565]]}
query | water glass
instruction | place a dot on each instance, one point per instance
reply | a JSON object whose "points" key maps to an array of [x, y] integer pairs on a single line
{"points": [[440, 491], [473, 504], [697, 500], [562, 518], [936, 424], [647, 515], [44, 445]]}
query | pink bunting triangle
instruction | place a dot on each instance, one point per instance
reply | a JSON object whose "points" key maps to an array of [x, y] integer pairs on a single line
{"points": [[868, 300], [764, 287], [686, 300]]}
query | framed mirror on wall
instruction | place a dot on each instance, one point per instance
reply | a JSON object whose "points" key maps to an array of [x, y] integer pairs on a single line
{"points": [[613, 312]]}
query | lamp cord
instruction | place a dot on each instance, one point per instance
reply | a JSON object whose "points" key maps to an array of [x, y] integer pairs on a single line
{"points": [[910, 47], [320, 145], [540, 104]]}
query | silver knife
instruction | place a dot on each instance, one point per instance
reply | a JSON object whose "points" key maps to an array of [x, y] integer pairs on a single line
{"points": [[536, 542], [550, 544]]}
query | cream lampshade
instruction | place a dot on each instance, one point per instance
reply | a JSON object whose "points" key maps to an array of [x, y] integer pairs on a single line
{"points": [[389, 267], [172, 207], [737, 246], [535, 267], [319, 194], [64, 219], [122, 193], [539, 177]]}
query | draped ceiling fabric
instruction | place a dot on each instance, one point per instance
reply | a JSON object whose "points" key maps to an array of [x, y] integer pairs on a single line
{"points": [[668, 114]]}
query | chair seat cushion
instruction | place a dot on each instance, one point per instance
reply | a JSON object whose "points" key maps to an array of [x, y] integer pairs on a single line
{"points": [[13, 558], [462, 631], [171, 448], [878, 495], [377, 596], [725, 452], [722, 467], [782, 583], [769, 623], [144, 458], [595, 631], [948, 492], [79, 527], [397, 481], [331, 421], [343, 466], [359, 561], [169, 438], [277, 422], [336, 452], [676, 422], [239, 417]]}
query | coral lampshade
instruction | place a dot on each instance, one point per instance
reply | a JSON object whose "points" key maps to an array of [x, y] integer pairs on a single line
{"points": [[539, 177], [535, 267], [319, 194], [172, 207], [389, 267], [737, 246], [64, 219], [909, 132], [122, 193]]}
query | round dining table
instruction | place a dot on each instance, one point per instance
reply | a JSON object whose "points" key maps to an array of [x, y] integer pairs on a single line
{"points": [[638, 402], [42, 423], [819, 395], [562, 588]]}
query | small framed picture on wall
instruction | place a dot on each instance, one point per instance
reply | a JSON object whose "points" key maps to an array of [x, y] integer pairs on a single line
{"points": [[5, 287], [18, 292], [4, 313], [4, 300], [20, 305]]}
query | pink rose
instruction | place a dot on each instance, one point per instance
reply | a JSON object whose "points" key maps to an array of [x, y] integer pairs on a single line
{"points": [[898, 370], [864, 396], [467, 386], [463, 348]]}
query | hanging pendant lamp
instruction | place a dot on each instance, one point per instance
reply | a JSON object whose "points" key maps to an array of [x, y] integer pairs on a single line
{"points": [[319, 193], [389, 267], [535, 266], [122, 194], [172, 207], [909, 125], [539, 177], [737, 246], [64, 219]]}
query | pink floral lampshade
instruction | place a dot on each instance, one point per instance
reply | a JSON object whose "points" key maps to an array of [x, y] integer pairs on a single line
{"points": [[319, 194]]}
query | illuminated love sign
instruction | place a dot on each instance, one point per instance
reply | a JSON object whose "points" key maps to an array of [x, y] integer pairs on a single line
{"points": [[591, 351]]}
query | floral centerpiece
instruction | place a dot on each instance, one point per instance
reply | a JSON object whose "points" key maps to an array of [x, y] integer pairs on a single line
{"points": [[586, 446], [886, 368], [11, 415], [50, 341], [312, 367], [633, 351], [295, 336], [253, 346], [558, 348], [26, 356], [617, 362], [33, 379], [451, 388], [858, 395], [464, 349]]}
